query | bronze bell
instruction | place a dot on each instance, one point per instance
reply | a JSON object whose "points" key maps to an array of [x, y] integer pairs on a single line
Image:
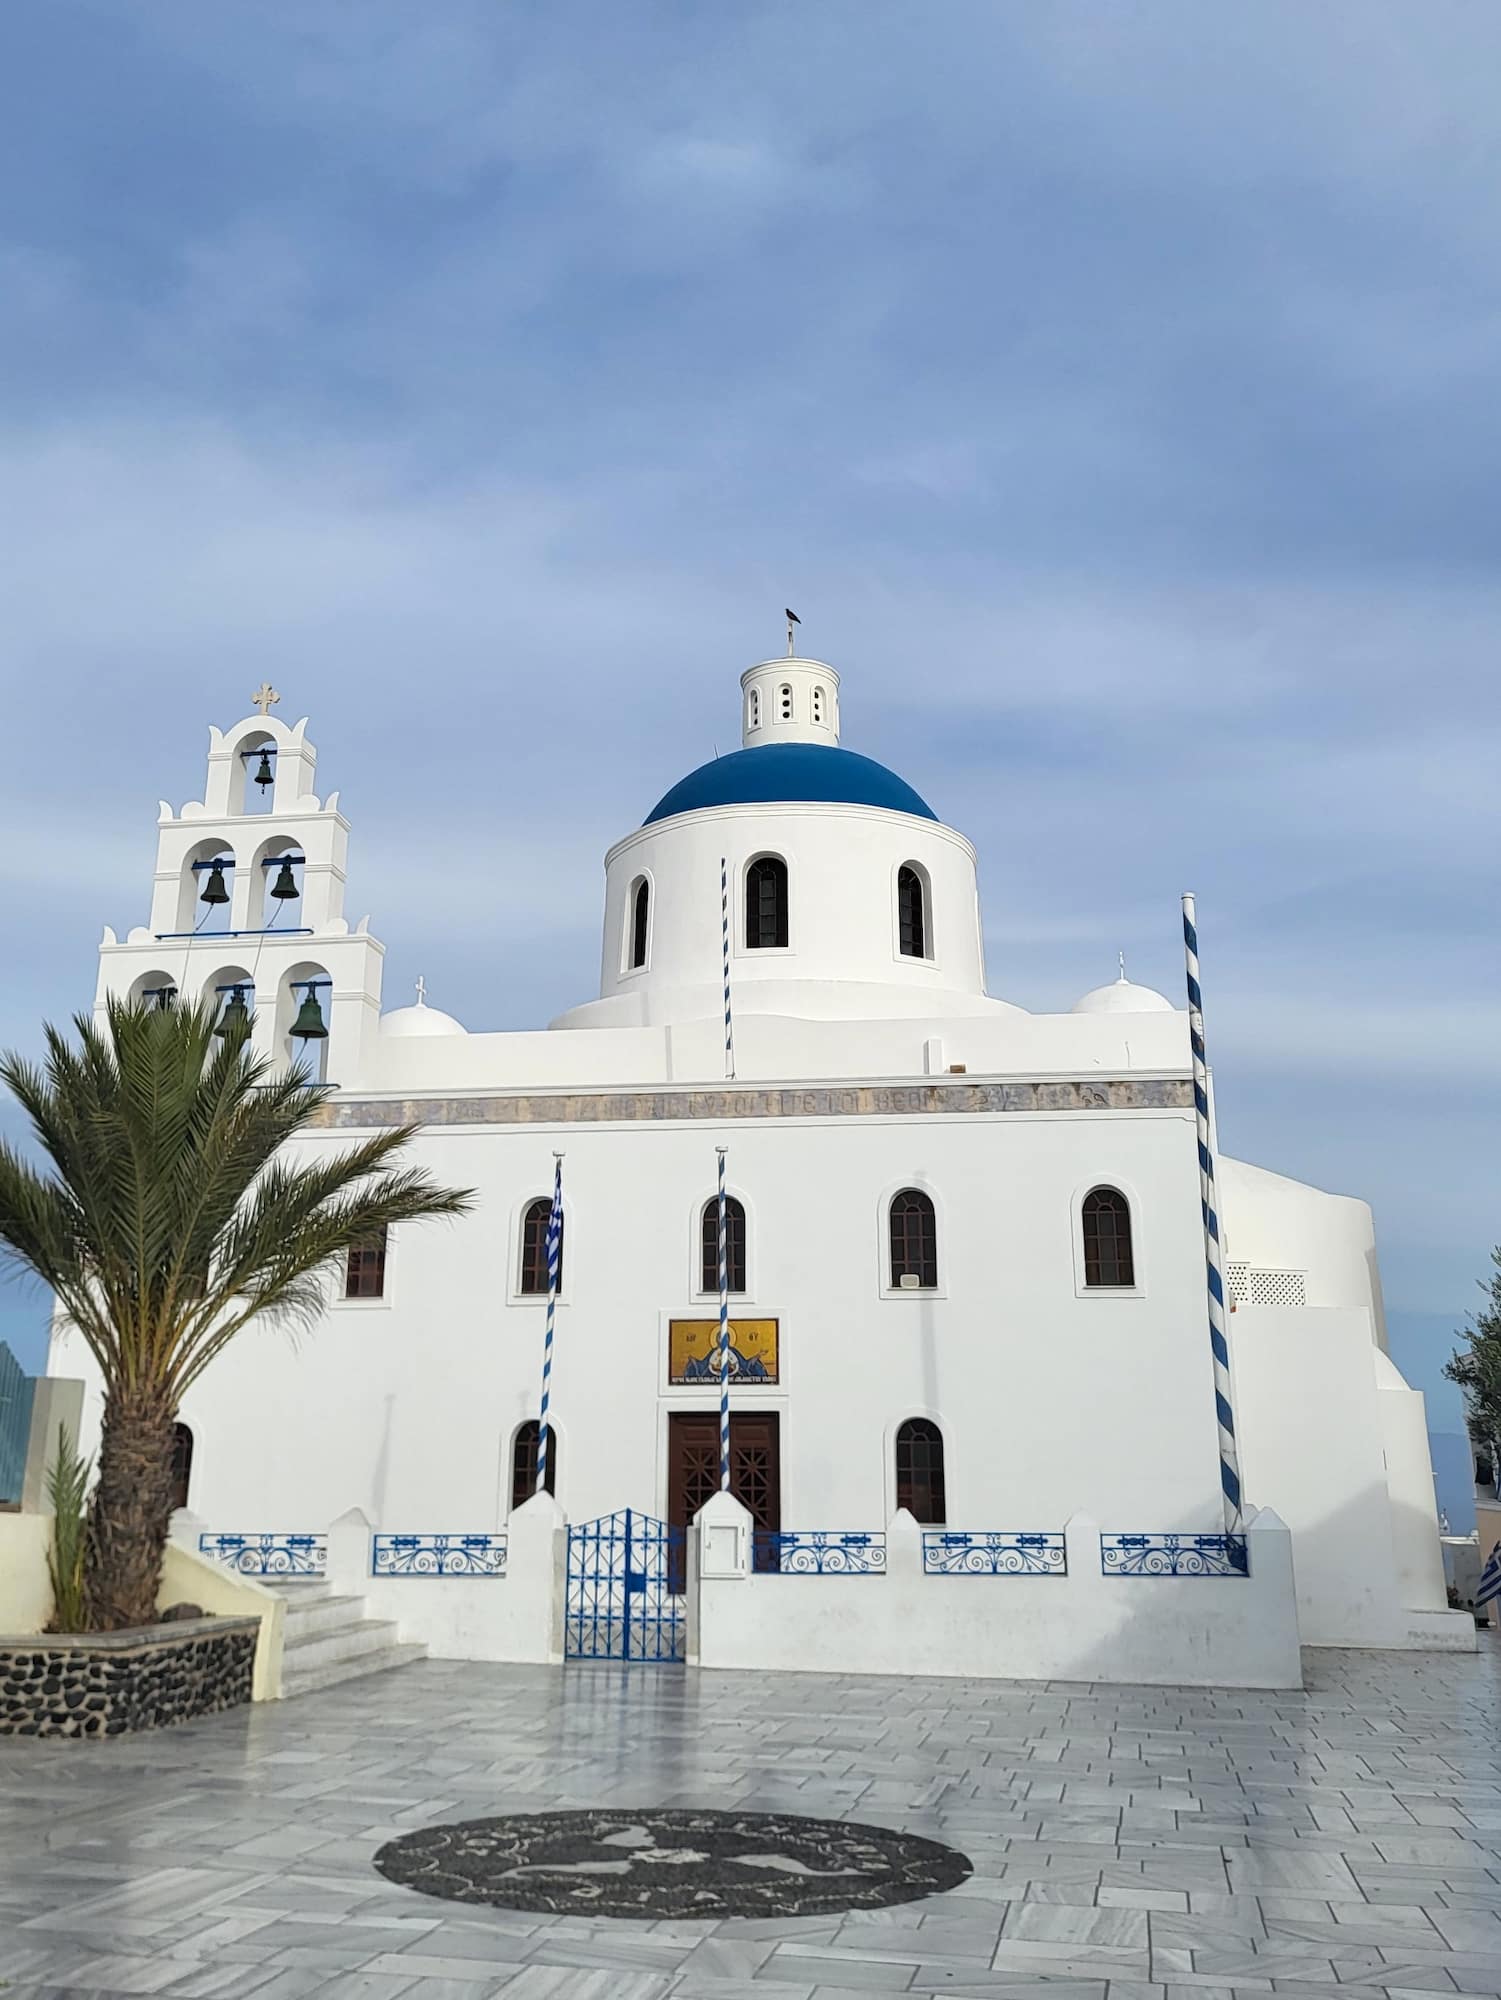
{"points": [[309, 1025], [236, 1015], [214, 890], [285, 884], [264, 775]]}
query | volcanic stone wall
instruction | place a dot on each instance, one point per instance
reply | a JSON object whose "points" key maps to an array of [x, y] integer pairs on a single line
{"points": [[106, 1683]]}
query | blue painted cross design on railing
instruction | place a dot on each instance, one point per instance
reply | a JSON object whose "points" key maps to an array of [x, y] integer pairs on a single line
{"points": [[269, 1555], [819, 1552], [955, 1552], [438, 1555], [1174, 1555]]}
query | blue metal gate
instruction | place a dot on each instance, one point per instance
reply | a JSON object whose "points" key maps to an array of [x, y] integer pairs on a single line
{"points": [[625, 1598]]}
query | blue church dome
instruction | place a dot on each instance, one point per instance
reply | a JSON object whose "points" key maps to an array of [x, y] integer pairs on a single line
{"points": [[791, 774]]}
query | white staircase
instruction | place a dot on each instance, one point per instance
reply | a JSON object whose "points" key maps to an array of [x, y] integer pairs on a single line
{"points": [[328, 1639]]}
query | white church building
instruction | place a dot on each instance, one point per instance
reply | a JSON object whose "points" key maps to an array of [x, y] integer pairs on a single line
{"points": [[971, 1362]]}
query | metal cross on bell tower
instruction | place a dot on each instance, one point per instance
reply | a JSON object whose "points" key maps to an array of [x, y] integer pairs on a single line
{"points": [[264, 696]]}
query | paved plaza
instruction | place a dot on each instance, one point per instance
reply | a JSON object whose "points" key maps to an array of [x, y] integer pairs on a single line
{"points": [[1126, 1843]]}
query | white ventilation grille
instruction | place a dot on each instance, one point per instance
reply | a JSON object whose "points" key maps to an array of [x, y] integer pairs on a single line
{"points": [[1250, 1287]]}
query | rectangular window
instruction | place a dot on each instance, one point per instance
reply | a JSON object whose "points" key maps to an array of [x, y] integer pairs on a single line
{"points": [[365, 1271]]}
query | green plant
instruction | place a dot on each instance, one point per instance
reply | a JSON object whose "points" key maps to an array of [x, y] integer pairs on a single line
{"points": [[1477, 1367], [67, 1489], [167, 1219]]}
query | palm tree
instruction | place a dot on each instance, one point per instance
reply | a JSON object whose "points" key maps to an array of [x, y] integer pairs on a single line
{"points": [[168, 1218]]}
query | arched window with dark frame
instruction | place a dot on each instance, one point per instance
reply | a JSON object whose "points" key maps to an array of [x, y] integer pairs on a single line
{"points": [[919, 1471], [1108, 1256], [534, 1245], [766, 903], [911, 914], [182, 1465], [640, 916], [914, 1241], [734, 1245], [524, 1461]]}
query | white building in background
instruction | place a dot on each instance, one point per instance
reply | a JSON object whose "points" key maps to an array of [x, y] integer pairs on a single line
{"points": [[966, 1252]]}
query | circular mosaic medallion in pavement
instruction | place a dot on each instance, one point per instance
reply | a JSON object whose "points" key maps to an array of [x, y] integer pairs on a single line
{"points": [[671, 1864]]}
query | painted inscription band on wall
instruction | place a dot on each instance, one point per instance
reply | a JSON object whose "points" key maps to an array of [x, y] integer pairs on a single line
{"points": [[918, 1100], [693, 1352]]}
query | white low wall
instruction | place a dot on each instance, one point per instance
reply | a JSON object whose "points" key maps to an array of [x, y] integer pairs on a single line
{"points": [[190, 1578], [25, 1588], [1083, 1626], [517, 1615]]}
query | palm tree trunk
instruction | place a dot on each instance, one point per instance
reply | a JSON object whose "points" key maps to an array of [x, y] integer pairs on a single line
{"points": [[131, 1512]]}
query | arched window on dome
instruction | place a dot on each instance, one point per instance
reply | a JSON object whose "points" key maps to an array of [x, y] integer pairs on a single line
{"points": [[734, 1245], [640, 913], [534, 1246], [766, 903], [524, 1461], [911, 912], [818, 704], [784, 702], [753, 708], [919, 1471], [914, 1241], [1109, 1260]]}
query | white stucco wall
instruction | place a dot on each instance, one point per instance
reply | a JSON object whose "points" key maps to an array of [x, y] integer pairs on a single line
{"points": [[1052, 1398], [1082, 1626]]}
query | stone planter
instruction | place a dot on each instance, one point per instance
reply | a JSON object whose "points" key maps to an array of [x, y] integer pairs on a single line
{"points": [[105, 1683]]}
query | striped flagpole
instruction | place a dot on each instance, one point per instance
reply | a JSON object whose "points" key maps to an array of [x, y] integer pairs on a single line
{"points": [[554, 1259], [1213, 1266], [724, 1336], [724, 926]]}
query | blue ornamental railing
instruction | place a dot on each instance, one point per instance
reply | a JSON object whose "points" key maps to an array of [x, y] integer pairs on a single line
{"points": [[438, 1555], [269, 1555], [1175, 1555], [819, 1552], [998, 1552]]}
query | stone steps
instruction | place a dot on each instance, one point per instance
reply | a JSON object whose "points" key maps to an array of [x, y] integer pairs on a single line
{"points": [[327, 1639]]}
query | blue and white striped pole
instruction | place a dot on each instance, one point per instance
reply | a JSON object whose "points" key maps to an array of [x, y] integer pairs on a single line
{"points": [[554, 1260], [1213, 1265], [724, 926], [724, 1335]]}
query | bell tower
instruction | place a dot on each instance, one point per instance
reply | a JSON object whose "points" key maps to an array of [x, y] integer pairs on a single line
{"points": [[789, 701], [247, 906]]}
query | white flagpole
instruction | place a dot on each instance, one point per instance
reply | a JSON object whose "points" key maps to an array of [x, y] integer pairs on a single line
{"points": [[1214, 1272], [724, 1335], [724, 926], [554, 1259]]}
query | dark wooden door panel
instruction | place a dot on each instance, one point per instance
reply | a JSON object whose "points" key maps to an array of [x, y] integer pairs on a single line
{"points": [[755, 1465]]}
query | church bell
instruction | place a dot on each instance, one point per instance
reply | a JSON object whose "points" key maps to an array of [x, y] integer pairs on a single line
{"points": [[285, 884], [236, 1014], [309, 1025], [264, 775], [214, 890]]}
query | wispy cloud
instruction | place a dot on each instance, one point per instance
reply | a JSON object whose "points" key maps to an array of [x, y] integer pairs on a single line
{"points": [[1113, 390]]}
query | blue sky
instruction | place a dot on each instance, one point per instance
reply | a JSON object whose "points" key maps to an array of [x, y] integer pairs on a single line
{"points": [[1112, 388]]}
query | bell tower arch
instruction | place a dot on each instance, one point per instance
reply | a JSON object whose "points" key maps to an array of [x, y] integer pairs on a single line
{"points": [[247, 903]]}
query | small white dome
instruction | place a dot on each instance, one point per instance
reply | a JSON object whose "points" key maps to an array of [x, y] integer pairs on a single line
{"points": [[420, 1020], [1122, 997]]}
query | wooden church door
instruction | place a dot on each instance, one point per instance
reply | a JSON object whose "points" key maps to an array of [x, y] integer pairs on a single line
{"points": [[755, 1466]]}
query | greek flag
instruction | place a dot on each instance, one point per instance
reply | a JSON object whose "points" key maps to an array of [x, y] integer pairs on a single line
{"points": [[1490, 1579]]}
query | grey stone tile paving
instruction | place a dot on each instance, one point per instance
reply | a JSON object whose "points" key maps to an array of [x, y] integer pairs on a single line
{"points": [[1128, 1843]]}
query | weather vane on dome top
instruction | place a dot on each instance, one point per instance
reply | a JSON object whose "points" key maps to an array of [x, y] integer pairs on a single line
{"points": [[792, 619], [264, 696]]}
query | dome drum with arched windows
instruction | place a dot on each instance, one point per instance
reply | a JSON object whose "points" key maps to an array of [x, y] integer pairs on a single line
{"points": [[848, 897]]}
